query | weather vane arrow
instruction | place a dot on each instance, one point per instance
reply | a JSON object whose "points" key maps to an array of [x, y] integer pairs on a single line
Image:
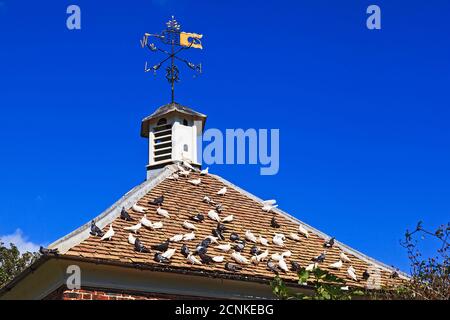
{"points": [[178, 42]]}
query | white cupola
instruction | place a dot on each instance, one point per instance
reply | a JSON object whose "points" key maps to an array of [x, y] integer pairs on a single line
{"points": [[173, 132]]}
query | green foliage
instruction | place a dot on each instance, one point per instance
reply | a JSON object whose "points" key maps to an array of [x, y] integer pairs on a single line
{"points": [[12, 262], [326, 287]]}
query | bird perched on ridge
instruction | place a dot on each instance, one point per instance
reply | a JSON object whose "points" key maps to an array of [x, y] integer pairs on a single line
{"points": [[204, 172], [329, 243], [45, 251]]}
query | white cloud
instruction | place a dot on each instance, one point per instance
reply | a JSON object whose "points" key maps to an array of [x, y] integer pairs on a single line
{"points": [[20, 240]]}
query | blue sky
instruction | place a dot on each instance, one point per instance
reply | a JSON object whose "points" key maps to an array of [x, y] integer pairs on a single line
{"points": [[363, 115]]}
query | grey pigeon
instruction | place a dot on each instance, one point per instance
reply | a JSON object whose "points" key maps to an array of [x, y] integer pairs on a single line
{"points": [[274, 223], [185, 250], [198, 217], [271, 266], [254, 251], [124, 215], [205, 258], [45, 251], [232, 267], [234, 237], [158, 201], [320, 258], [239, 246], [159, 258], [96, 231], [366, 275], [329, 243], [162, 246], [216, 233], [139, 247], [295, 266]]}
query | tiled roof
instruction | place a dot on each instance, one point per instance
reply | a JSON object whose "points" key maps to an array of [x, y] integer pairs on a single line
{"points": [[183, 200]]}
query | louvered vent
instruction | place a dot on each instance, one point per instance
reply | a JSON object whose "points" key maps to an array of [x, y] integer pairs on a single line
{"points": [[162, 141]]}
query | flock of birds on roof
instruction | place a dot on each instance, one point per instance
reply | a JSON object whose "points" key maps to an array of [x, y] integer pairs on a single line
{"points": [[198, 254]]}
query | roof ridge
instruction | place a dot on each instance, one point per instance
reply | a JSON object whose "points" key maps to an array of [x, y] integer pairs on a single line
{"points": [[321, 234], [74, 238]]}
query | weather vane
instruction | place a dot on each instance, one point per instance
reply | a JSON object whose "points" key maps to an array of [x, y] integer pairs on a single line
{"points": [[178, 42]]}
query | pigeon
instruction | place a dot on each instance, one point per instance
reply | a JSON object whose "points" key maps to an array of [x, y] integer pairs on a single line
{"points": [[254, 251], [366, 275], [286, 254], [201, 250], [219, 208], [189, 226], [272, 267], [269, 202], [183, 172], [174, 177], [282, 265], [184, 250], [96, 231], [145, 222], [45, 251], [263, 241], [188, 165], [260, 257], [239, 258], [109, 234], [228, 218], [160, 258], [394, 275], [303, 231], [274, 223], [168, 254], [195, 182], [221, 227], [139, 209], [311, 267], [250, 236], [206, 242], [125, 216], [134, 228], [352, 273], [329, 243], [294, 236], [234, 237], [232, 267], [176, 238], [295, 266], [218, 259], [278, 240], [139, 247], [204, 171], [222, 191], [218, 234], [131, 239], [189, 236], [157, 225], [205, 258], [224, 247], [320, 258], [214, 215], [239, 246], [276, 257], [337, 265], [163, 246], [207, 200], [193, 259], [198, 217], [163, 212], [344, 257], [268, 207], [158, 201]]}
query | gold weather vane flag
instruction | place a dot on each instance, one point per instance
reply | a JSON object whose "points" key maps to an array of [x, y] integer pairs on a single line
{"points": [[178, 42]]}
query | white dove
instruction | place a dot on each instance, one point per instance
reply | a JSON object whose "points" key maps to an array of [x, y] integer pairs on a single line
{"points": [[139, 209], [195, 182], [109, 234], [184, 173], [207, 199], [131, 239], [169, 253], [218, 259], [277, 257], [294, 236], [189, 236], [163, 212], [303, 231], [145, 222], [176, 238], [174, 177], [157, 225], [204, 171], [188, 165], [193, 259], [260, 257], [239, 258], [263, 241], [134, 228], [213, 239], [286, 254], [283, 266], [336, 265], [189, 226], [344, 257], [268, 207], [269, 202], [278, 240], [212, 214], [222, 191], [228, 218], [311, 267], [224, 247], [352, 273], [250, 236]]}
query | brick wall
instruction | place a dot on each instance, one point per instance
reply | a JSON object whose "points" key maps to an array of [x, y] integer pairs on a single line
{"points": [[105, 294]]}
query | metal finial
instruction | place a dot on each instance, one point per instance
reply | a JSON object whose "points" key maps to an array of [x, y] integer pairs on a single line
{"points": [[178, 41]]}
